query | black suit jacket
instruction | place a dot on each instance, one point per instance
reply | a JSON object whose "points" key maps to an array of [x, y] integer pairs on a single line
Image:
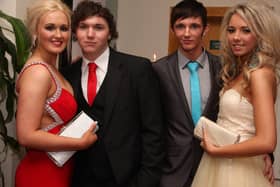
{"points": [[183, 149], [132, 128]]}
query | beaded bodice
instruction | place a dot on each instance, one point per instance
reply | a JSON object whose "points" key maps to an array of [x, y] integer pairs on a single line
{"points": [[61, 106], [236, 114]]}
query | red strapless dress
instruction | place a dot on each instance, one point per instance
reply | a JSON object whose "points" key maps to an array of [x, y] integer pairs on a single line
{"points": [[36, 169]]}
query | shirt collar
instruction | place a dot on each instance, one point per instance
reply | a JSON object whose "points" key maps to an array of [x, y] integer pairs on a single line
{"points": [[102, 61], [183, 59]]}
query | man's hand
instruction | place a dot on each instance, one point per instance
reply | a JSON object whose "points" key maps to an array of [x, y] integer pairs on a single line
{"points": [[268, 169]]}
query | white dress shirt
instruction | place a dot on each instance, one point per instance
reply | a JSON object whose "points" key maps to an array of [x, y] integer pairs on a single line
{"points": [[101, 70], [204, 77]]}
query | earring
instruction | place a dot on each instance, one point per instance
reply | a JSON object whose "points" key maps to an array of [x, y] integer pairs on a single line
{"points": [[74, 37], [34, 42], [254, 61]]}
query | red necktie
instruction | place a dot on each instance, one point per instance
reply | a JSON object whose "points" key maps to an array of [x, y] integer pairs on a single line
{"points": [[92, 82]]}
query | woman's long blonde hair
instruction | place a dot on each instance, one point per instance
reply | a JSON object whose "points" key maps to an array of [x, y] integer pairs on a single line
{"points": [[264, 24]]}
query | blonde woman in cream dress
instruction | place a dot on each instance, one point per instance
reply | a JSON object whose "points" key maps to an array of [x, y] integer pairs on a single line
{"points": [[251, 53]]}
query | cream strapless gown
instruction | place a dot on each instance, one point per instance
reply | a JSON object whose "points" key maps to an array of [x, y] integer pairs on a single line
{"points": [[236, 114]]}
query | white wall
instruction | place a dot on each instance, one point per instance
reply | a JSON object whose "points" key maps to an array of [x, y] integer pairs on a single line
{"points": [[143, 25]]}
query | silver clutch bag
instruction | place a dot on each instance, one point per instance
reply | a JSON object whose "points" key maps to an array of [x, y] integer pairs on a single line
{"points": [[217, 134], [75, 128]]}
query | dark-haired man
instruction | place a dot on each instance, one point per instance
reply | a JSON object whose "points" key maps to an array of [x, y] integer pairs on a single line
{"points": [[129, 149], [189, 24]]}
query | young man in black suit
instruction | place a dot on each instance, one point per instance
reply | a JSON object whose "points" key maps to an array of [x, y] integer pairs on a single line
{"points": [[129, 149]]}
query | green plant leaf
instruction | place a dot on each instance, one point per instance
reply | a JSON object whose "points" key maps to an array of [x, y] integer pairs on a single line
{"points": [[2, 88], [4, 68], [4, 148], [19, 52], [3, 128], [2, 179], [10, 102], [9, 47], [13, 144], [23, 40]]}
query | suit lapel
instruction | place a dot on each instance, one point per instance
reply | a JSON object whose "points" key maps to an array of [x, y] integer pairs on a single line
{"points": [[76, 84], [114, 77], [214, 72], [76, 79], [177, 82]]}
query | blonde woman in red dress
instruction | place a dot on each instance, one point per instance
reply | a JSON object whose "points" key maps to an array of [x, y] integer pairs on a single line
{"points": [[45, 100]]}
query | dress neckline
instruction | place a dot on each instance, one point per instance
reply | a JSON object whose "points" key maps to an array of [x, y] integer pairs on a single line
{"points": [[239, 94]]}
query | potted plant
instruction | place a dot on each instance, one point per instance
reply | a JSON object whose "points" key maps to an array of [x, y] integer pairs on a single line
{"points": [[12, 58]]}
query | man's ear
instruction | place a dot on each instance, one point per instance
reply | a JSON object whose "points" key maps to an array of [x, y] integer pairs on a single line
{"points": [[206, 29], [172, 30]]}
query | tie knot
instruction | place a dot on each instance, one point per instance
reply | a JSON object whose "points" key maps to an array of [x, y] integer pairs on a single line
{"points": [[92, 66], [193, 66]]}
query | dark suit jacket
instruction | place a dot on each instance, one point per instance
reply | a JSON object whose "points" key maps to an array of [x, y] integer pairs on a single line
{"points": [[183, 149], [132, 128]]}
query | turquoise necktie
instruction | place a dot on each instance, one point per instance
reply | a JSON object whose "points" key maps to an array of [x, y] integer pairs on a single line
{"points": [[195, 91]]}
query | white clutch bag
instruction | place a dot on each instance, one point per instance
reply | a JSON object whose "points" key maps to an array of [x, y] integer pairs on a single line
{"points": [[75, 128], [218, 135]]}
